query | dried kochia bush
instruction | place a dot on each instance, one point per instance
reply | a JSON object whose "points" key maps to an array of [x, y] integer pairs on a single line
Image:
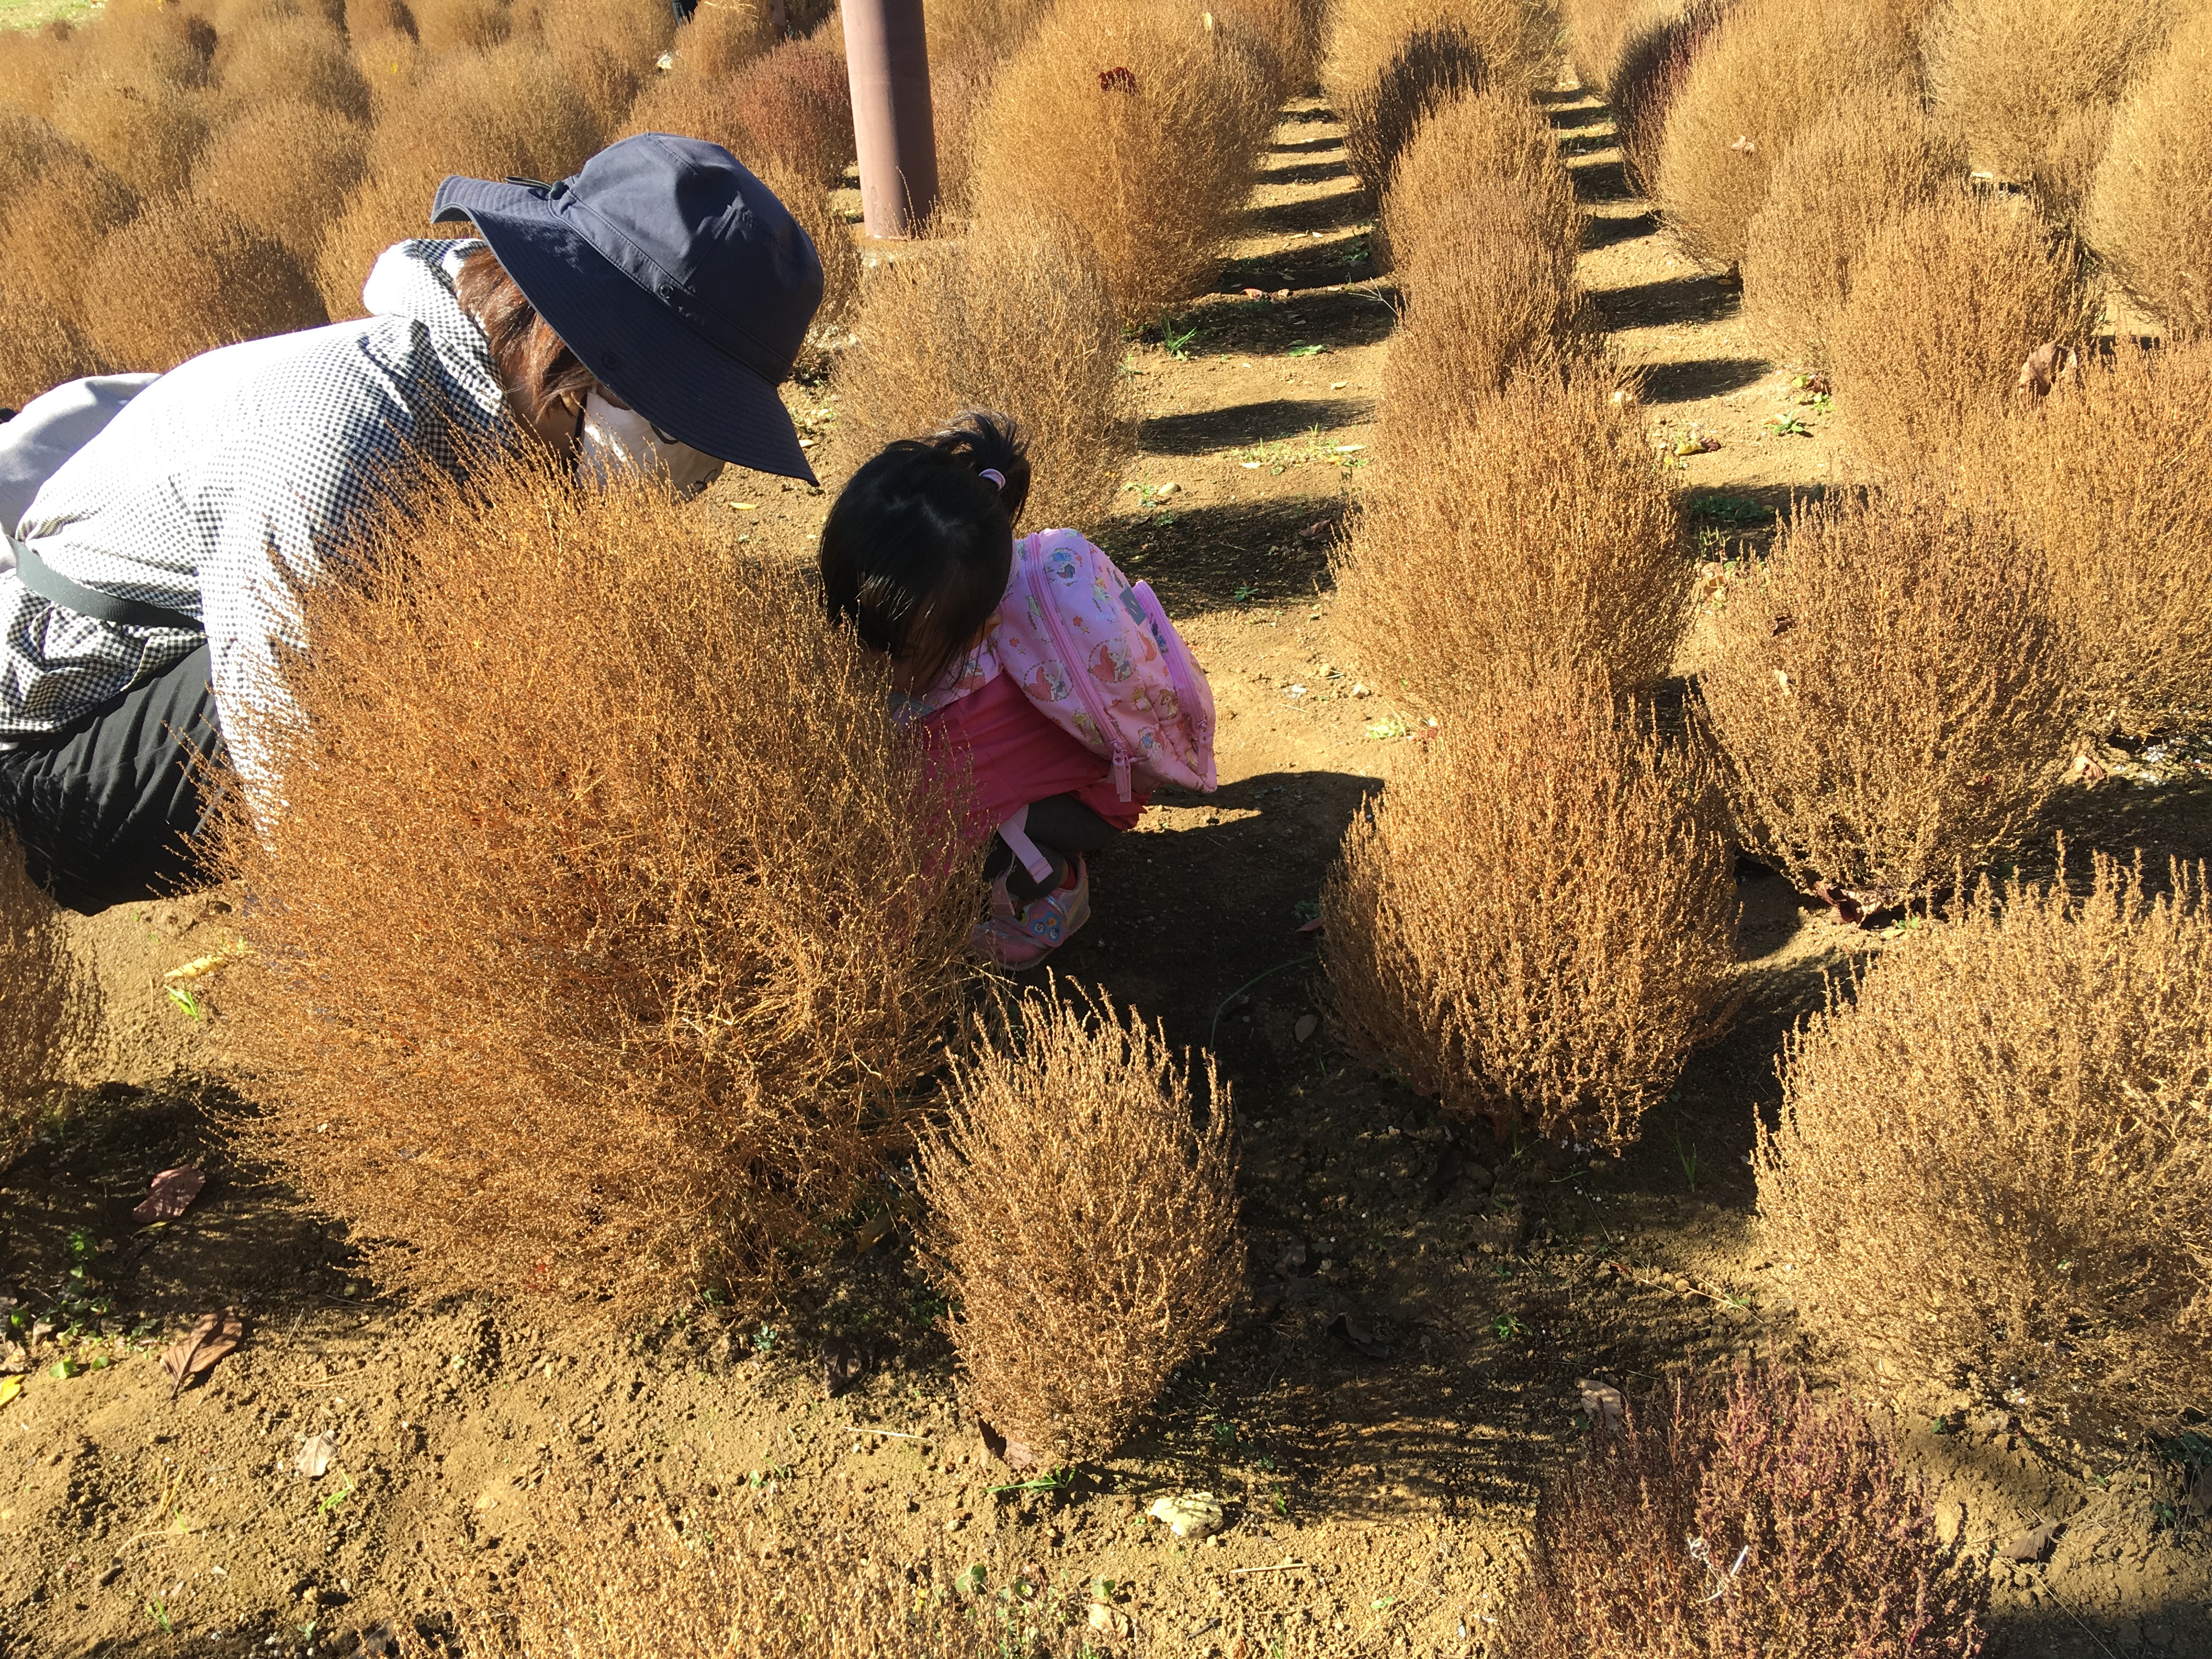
{"points": [[46, 1010], [1536, 920], [1082, 1212], [1890, 690], [1995, 1143], [1749, 1517], [606, 928]]}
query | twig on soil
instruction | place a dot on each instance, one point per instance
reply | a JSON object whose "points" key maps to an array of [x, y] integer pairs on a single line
{"points": [[1214, 1029], [1720, 1297], [1286, 1566], [896, 1434]]}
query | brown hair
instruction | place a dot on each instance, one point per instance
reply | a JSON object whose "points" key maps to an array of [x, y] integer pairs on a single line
{"points": [[533, 361]]}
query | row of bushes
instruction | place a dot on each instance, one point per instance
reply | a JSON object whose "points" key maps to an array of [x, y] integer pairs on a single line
{"points": [[2101, 111], [1535, 923]]}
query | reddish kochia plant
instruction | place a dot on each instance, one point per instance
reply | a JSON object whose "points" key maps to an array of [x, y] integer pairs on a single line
{"points": [[1745, 1518]]}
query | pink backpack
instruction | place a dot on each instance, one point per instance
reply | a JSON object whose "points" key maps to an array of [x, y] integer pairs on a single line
{"points": [[1100, 657]]}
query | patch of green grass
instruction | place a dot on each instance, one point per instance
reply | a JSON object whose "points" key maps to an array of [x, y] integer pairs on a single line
{"points": [[36, 14]]}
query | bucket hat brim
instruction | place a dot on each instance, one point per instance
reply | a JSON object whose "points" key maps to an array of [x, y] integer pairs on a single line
{"points": [[638, 348]]}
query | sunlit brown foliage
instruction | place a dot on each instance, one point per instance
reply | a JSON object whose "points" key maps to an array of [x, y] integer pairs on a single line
{"points": [[367, 20], [958, 90], [591, 958], [1139, 122], [1769, 70], [972, 31], [301, 58], [1597, 30], [52, 226], [693, 106], [1890, 689], [148, 39], [1947, 300], [797, 103], [1010, 313], [40, 348], [1289, 34], [1082, 1212], [34, 63], [188, 275], [722, 39], [2110, 474], [29, 145], [1744, 1518], [146, 132], [292, 199], [446, 26], [1537, 529], [2008, 73], [44, 1000], [1850, 173], [1389, 61], [606, 48], [1994, 1148], [1535, 921], [2151, 212], [490, 115], [1490, 135], [1654, 64], [651, 1583], [2063, 176]]}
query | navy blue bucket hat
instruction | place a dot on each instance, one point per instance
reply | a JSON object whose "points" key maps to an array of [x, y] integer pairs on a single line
{"points": [[677, 278]]}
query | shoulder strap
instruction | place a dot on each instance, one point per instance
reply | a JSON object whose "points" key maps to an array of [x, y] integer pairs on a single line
{"points": [[42, 579]]}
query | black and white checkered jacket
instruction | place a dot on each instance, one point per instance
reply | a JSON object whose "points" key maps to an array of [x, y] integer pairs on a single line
{"points": [[241, 469]]}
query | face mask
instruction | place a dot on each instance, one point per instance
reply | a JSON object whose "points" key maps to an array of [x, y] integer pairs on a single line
{"points": [[623, 441]]}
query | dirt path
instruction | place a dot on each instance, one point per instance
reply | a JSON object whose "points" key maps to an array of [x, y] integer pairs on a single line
{"points": [[1395, 1457]]}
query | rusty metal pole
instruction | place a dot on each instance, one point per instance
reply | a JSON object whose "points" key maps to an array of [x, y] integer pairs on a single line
{"points": [[888, 58]]}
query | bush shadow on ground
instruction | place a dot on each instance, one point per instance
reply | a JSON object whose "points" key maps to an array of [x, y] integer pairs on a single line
{"points": [[1603, 230], [1695, 297], [1342, 319], [1260, 553], [1698, 378]]}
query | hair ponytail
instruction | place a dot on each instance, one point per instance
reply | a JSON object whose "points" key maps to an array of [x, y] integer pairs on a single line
{"points": [[916, 553]]}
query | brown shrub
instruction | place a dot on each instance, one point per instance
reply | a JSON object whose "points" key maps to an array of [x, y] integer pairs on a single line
{"points": [[1654, 64], [40, 348], [2109, 473], [976, 31], [148, 132], [693, 106], [1432, 67], [1287, 31], [1947, 300], [1083, 1219], [610, 955], [1536, 922], [29, 145], [1744, 1518], [1013, 314], [1768, 70], [1139, 123], [1850, 173], [650, 1584], [187, 276], [1535, 530], [504, 112], [1992, 1153], [2151, 213], [1595, 32], [44, 1001], [958, 90], [797, 103], [2007, 73], [34, 63], [302, 59], [606, 48], [1492, 136], [370, 20], [284, 167], [2064, 173], [148, 39], [722, 39], [1487, 292], [450, 26], [1890, 690], [53, 225]]}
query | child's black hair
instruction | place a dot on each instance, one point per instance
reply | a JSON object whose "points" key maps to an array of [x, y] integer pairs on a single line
{"points": [[918, 549]]}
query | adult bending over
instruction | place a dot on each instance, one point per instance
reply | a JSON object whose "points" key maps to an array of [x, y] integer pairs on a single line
{"points": [[638, 314]]}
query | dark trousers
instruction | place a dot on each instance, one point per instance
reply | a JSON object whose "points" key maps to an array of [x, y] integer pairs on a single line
{"points": [[1061, 826], [112, 810]]}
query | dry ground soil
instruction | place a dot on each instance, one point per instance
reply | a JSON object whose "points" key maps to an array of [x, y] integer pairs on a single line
{"points": [[1389, 1400]]}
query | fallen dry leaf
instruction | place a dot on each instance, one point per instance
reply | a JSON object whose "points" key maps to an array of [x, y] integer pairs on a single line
{"points": [[1354, 1330], [316, 1454], [1307, 1025], [1014, 1454], [195, 1353], [169, 1195], [843, 1364], [2030, 1546], [1602, 1402]]}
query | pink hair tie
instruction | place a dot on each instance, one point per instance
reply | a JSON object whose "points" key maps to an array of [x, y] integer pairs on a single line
{"points": [[997, 478]]}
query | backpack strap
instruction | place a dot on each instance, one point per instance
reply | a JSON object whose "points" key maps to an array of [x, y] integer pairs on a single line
{"points": [[1015, 833], [49, 584]]}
